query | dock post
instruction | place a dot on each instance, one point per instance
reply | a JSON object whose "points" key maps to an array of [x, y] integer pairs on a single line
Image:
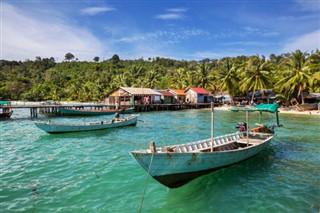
{"points": [[34, 112]]}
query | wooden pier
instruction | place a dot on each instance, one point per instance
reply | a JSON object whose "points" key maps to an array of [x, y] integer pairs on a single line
{"points": [[52, 109]]}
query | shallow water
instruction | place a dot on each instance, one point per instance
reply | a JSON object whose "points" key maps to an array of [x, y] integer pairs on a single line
{"points": [[93, 171]]}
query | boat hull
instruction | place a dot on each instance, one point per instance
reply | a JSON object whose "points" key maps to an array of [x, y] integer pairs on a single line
{"points": [[176, 169], [64, 111], [60, 128], [5, 115], [308, 107]]}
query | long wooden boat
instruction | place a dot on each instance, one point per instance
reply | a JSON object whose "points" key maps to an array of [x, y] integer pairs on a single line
{"points": [[65, 128], [6, 114], [6, 111], [64, 111], [307, 107], [176, 165]]}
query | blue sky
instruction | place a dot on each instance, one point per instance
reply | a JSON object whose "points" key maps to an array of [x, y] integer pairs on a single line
{"points": [[183, 30]]}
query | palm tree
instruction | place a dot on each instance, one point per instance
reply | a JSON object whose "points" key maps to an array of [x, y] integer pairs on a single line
{"points": [[119, 80], [73, 90], [133, 74], [315, 70], [189, 80], [296, 73], [256, 75], [152, 78], [226, 76], [179, 79], [203, 75]]}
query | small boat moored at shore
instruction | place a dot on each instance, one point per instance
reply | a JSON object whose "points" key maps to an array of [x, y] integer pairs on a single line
{"points": [[176, 165], [6, 110], [6, 115], [307, 107], [65, 111], [100, 125]]}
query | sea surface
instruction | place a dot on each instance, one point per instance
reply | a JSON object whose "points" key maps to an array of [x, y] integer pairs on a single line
{"points": [[94, 172]]}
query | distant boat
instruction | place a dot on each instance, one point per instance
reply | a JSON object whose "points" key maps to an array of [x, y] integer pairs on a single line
{"points": [[54, 128], [64, 111], [6, 115], [176, 165], [6, 110], [307, 107]]}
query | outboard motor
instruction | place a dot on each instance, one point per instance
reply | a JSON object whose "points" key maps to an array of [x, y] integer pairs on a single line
{"points": [[242, 126]]}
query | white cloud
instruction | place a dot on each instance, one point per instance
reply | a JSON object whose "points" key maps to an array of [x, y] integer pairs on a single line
{"points": [[170, 16], [219, 53], [166, 36], [247, 43], [174, 14], [256, 31], [177, 10], [96, 10], [26, 37], [306, 42], [308, 5]]}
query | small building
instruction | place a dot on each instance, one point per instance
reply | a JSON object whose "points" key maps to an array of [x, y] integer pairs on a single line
{"points": [[179, 95], [131, 96], [166, 96], [197, 95]]}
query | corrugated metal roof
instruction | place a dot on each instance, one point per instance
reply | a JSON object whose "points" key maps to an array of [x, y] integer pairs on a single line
{"points": [[199, 90], [165, 93], [178, 91], [140, 91]]}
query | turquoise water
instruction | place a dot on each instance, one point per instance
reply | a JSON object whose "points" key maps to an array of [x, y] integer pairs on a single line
{"points": [[93, 172]]}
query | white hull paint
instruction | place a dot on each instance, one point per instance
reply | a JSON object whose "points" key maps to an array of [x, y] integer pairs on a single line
{"points": [[64, 128], [176, 169]]}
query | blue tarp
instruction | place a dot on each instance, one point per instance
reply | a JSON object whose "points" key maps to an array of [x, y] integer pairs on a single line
{"points": [[260, 108]]}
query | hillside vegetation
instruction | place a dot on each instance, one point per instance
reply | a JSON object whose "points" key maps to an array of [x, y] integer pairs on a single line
{"points": [[288, 75]]}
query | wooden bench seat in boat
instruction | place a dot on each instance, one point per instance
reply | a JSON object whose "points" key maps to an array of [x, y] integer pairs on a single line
{"points": [[206, 144]]}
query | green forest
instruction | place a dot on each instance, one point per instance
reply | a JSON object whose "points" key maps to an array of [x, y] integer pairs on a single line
{"points": [[290, 75]]}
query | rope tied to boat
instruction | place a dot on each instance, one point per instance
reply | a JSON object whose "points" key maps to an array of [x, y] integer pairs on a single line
{"points": [[32, 186], [153, 150], [85, 175]]}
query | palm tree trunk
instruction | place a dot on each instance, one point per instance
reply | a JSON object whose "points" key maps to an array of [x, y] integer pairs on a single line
{"points": [[252, 98], [232, 100], [301, 94]]}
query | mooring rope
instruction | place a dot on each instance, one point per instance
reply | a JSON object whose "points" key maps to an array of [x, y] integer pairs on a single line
{"points": [[276, 138], [33, 188], [145, 185], [85, 175]]}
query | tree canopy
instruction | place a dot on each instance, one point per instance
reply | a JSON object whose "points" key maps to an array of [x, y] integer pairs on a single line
{"points": [[288, 75]]}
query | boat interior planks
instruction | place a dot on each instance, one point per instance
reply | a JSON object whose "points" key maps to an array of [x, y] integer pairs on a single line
{"points": [[222, 143]]}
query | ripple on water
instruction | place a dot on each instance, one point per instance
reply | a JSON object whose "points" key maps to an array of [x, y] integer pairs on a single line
{"points": [[93, 172]]}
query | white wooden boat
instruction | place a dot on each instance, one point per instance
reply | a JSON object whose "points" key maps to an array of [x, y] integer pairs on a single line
{"points": [[176, 165], [54, 128], [70, 112]]}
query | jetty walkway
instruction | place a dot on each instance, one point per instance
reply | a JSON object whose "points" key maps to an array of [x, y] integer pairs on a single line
{"points": [[52, 108]]}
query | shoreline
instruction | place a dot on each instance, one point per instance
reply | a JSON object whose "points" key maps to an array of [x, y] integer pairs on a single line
{"points": [[281, 111], [224, 107]]}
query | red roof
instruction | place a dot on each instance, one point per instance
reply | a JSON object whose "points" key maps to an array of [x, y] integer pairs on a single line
{"points": [[165, 92], [199, 90]]}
